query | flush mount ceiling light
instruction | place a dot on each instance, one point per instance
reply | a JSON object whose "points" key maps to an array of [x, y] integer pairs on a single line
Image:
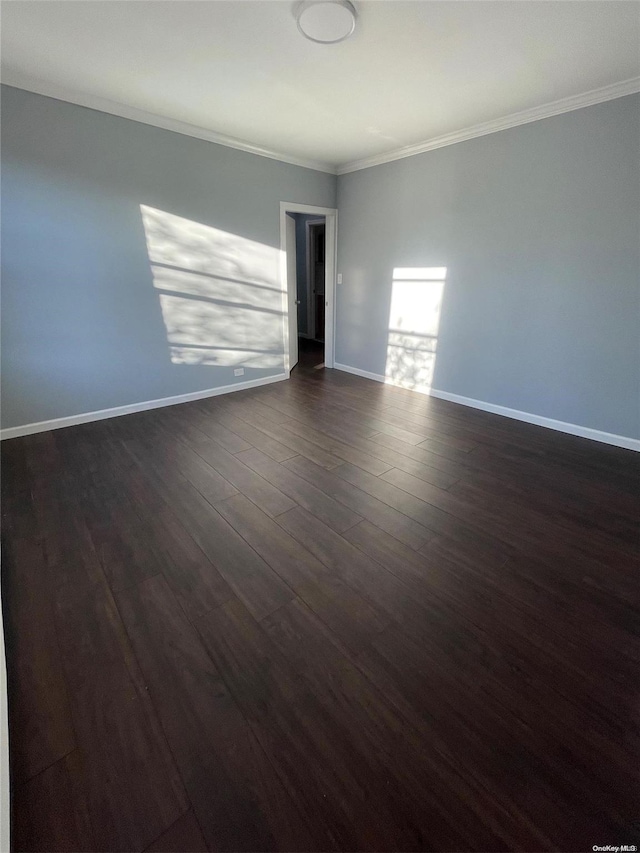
{"points": [[326, 21]]}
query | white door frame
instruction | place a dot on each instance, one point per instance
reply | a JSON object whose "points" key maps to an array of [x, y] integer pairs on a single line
{"points": [[330, 249], [292, 291]]}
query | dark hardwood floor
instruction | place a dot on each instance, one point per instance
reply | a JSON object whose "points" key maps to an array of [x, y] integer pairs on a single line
{"points": [[324, 614]]}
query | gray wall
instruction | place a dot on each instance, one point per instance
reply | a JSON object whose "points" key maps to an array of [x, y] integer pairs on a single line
{"points": [[539, 228], [93, 317]]}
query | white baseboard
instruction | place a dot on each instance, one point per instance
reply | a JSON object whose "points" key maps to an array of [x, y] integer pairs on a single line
{"points": [[527, 417], [538, 420], [87, 417], [377, 377]]}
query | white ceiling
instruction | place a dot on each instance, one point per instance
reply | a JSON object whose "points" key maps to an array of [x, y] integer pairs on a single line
{"points": [[412, 72]]}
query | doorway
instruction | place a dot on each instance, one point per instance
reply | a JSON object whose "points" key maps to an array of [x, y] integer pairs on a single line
{"points": [[308, 252], [315, 264]]}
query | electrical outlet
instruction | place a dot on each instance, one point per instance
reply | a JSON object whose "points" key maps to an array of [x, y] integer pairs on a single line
{"points": [[339, 278], [238, 371]]}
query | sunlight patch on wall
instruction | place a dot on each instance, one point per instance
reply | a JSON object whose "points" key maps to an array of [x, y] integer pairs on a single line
{"points": [[220, 293], [414, 320]]}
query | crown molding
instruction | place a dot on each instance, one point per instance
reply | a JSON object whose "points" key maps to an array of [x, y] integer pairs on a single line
{"points": [[103, 105], [564, 105]]}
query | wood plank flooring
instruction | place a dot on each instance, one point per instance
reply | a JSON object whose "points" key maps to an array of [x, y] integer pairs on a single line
{"points": [[325, 614]]}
